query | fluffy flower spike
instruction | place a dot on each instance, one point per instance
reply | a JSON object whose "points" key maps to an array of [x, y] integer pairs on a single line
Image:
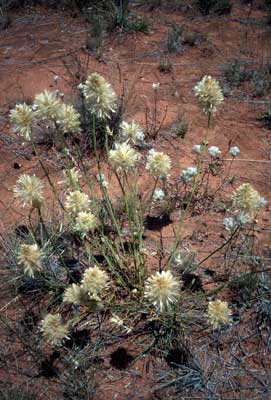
{"points": [[218, 313], [22, 117], [131, 133], [99, 95], [123, 157], [209, 94], [158, 163], [162, 290], [85, 222], [29, 189], [53, 330], [68, 119], [95, 281], [30, 258], [76, 295], [246, 199], [77, 202], [47, 105]]}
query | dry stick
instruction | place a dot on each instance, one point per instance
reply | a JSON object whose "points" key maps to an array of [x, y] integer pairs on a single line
{"points": [[220, 247]]}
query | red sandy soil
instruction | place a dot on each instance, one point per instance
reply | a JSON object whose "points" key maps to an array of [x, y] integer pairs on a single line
{"points": [[38, 41]]}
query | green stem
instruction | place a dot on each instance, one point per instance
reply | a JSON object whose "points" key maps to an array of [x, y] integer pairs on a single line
{"points": [[194, 188]]}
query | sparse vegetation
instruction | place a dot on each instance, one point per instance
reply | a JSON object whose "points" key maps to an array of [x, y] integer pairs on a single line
{"points": [[134, 235]]}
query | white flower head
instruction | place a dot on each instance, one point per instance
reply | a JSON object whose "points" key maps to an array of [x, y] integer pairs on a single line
{"points": [[197, 148], [22, 116], [76, 294], [76, 202], [29, 189], [158, 163], [68, 118], [155, 86], [230, 223], [234, 151], [85, 222], [99, 95], [246, 199], [30, 258], [188, 174], [53, 330], [209, 94], [71, 178], [243, 218], [158, 195], [263, 202], [162, 290], [218, 313], [101, 179], [123, 157], [95, 281], [47, 105], [214, 151], [131, 133]]}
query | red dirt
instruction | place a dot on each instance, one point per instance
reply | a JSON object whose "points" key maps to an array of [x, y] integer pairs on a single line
{"points": [[32, 51]]}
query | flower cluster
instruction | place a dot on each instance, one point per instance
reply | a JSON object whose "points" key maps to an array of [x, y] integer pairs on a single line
{"points": [[123, 157], [53, 330], [158, 164], [188, 174], [197, 148], [85, 222], [94, 282], [214, 151], [71, 178], [158, 195], [101, 179], [162, 290], [246, 199], [22, 117], [99, 95], [29, 189], [218, 313], [47, 105], [68, 119], [209, 94], [76, 294], [234, 151], [77, 202], [30, 258], [131, 133]]}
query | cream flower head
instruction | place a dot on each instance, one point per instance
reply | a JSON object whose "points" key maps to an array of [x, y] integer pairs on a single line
{"points": [[76, 202], [30, 258], [162, 290], [29, 189], [158, 163], [53, 330], [123, 157], [131, 133], [68, 118], [47, 105], [76, 294], [95, 281], [218, 313], [100, 96], [71, 178], [209, 94], [246, 199], [85, 222], [22, 116]]}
